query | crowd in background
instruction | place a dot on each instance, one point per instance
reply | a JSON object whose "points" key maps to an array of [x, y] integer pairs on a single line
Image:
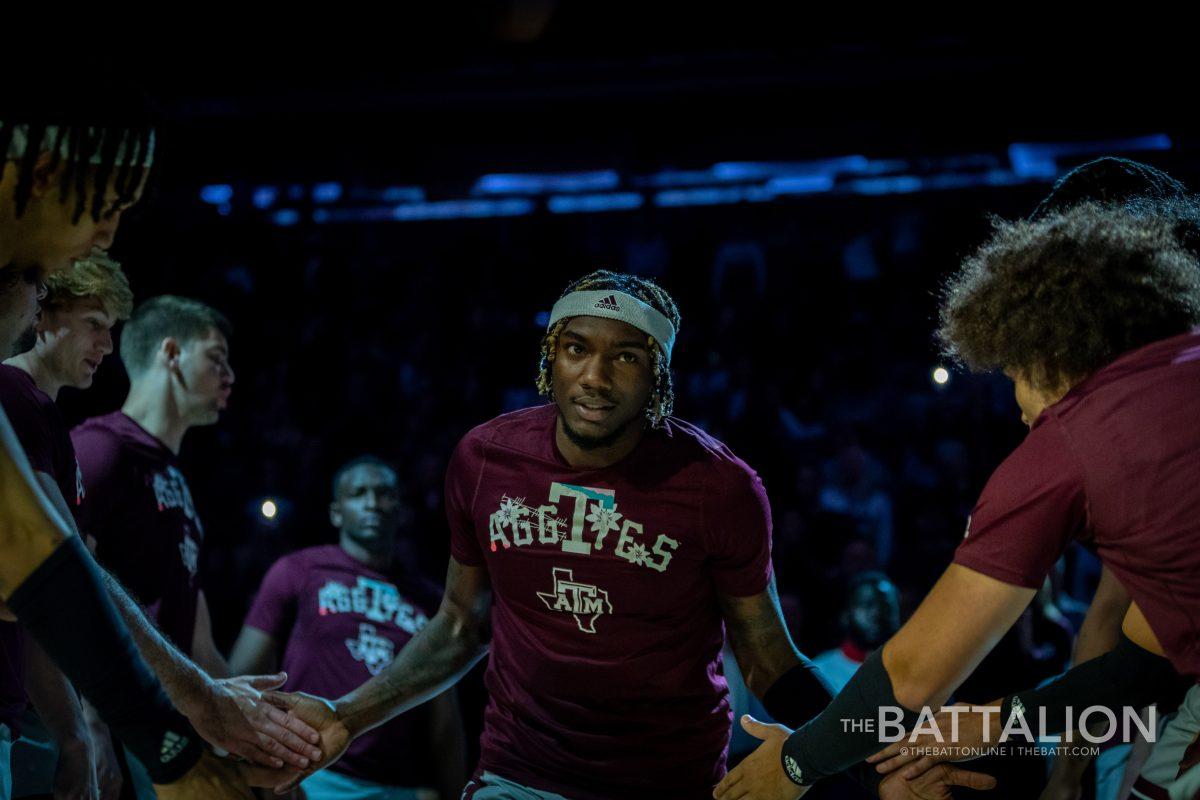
{"points": [[806, 345]]}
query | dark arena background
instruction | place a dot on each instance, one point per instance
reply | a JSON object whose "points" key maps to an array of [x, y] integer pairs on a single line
{"points": [[388, 226]]}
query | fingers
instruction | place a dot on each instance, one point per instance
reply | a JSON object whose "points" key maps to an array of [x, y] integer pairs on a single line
{"points": [[920, 767], [266, 682], [285, 700], [759, 730], [898, 760], [288, 740], [731, 779], [278, 750], [294, 724], [891, 750], [254, 754], [967, 779]]}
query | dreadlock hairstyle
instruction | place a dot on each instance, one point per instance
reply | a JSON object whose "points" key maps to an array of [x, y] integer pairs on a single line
{"points": [[662, 395], [88, 128], [1057, 299]]}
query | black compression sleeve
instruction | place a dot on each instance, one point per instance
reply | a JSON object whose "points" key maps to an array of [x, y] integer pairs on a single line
{"points": [[798, 695], [1127, 675], [65, 607], [838, 738]]}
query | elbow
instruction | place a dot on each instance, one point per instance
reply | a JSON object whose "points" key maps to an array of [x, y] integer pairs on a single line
{"points": [[473, 633], [910, 685]]}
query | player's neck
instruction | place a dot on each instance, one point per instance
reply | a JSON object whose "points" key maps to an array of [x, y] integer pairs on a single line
{"points": [[43, 378], [596, 457], [152, 407], [378, 561]]}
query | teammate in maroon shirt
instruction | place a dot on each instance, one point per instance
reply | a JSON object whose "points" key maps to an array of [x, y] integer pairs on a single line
{"points": [[339, 613], [1089, 312], [73, 157], [138, 509], [81, 306], [608, 546]]}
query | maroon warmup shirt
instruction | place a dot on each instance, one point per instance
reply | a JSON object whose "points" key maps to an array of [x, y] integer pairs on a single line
{"points": [[342, 623], [139, 509], [605, 675], [1116, 465], [43, 435]]}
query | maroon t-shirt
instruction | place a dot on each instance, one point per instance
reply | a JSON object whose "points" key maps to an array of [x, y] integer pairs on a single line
{"points": [[1116, 465], [41, 431], [605, 676], [43, 436], [139, 509], [342, 623]]}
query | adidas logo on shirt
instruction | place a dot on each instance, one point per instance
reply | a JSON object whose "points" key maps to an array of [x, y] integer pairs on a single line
{"points": [[609, 303], [172, 745]]}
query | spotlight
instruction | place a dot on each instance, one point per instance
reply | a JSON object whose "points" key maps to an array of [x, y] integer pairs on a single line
{"points": [[269, 509], [941, 376]]}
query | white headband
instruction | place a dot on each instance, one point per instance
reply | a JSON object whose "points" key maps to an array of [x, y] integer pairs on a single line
{"points": [[19, 145], [612, 304]]}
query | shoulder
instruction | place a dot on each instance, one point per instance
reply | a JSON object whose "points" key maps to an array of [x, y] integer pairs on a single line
{"points": [[98, 442], [521, 430], [300, 561], [98, 431], [19, 394], [719, 465]]}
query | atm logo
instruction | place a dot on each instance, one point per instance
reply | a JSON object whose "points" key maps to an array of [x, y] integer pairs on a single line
{"points": [[583, 601]]}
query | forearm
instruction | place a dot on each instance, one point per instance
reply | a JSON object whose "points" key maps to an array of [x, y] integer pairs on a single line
{"points": [[1101, 628], [183, 680], [443, 651], [53, 696], [1128, 675], [450, 744]]}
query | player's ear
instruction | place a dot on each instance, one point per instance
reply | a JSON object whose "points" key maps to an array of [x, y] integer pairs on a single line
{"points": [[335, 515], [168, 352], [46, 178]]}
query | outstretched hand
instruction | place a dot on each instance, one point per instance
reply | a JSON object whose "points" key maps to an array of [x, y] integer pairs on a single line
{"points": [[959, 741], [235, 716], [760, 776], [321, 716], [933, 784]]}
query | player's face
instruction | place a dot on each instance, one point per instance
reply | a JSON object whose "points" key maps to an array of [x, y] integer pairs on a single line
{"points": [[19, 293], [368, 506], [73, 339], [52, 237], [874, 614], [207, 377], [602, 379]]}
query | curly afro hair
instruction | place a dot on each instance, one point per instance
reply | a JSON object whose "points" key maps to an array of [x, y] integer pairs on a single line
{"points": [[1056, 299]]}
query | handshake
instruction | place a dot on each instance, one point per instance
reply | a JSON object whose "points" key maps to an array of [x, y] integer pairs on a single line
{"points": [[272, 739]]}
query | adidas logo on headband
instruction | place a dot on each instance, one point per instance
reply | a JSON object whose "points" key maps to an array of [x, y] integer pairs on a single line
{"points": [[609, 303]]}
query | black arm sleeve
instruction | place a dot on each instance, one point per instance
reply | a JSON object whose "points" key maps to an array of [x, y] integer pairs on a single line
{"points": [[1127, 675], [63, 604], [837, 739], [800, 694]]}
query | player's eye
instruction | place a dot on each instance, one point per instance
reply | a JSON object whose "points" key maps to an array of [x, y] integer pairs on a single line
{"points": [[628, 358], [574, 349]]}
